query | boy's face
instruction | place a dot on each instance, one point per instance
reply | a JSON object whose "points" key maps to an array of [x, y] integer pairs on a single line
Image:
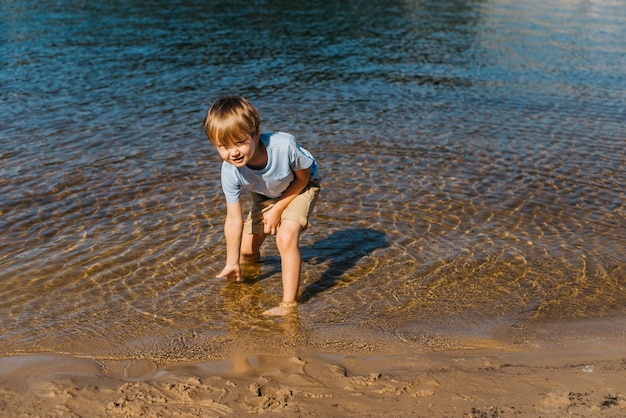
{"points": [[241, 153]]}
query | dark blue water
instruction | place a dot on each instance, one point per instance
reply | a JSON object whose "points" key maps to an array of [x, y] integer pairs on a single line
{"points": [[472, 155]]}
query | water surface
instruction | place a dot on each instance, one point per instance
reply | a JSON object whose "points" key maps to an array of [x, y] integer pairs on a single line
{"points": [[472, 155]]}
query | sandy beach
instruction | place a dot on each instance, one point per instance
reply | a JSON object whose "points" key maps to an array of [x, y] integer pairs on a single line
{"points": [[479, 382]]}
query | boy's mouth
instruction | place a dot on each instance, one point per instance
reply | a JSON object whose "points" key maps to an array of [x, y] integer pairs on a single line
{"points": [[237, 160]]}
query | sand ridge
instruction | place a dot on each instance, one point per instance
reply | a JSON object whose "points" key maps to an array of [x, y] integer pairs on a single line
{"points": [[463, 383]]}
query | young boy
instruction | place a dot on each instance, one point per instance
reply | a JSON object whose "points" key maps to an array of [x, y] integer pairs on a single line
{"points": [[284, 183]]}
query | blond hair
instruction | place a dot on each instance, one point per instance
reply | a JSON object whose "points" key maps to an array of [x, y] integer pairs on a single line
{"points": [[230, 120]]}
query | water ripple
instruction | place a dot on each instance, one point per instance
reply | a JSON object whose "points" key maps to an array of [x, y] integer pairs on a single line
{"points": [[472, 160]]}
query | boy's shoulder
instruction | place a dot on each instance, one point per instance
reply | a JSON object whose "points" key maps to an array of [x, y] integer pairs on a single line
{"points": [[276, 138]]}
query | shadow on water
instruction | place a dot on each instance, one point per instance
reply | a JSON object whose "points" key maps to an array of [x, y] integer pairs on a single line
{"points": [[343, 249]]}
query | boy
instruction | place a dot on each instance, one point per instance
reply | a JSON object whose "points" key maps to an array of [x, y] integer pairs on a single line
{"points": [[284, 183]]}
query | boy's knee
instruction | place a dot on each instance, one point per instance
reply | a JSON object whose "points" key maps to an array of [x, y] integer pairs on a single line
{"points": [[288, 235], [284, 243]]}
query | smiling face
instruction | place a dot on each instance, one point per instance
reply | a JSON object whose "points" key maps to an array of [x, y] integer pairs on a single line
{"points": [[250, 152], [233, 125]]}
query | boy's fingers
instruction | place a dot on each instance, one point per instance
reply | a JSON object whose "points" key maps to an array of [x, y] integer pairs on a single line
{"points": [[268, 229], [224, 273], [232, 273]]}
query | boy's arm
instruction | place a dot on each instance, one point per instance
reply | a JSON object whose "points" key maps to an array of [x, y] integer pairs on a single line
{"points": [[233, 227], [271, 219]]}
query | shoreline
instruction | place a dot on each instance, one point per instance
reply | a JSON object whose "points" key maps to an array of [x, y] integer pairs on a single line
{"points": [[479, 382]]}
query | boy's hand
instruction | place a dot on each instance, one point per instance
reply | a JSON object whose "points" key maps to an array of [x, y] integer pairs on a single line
{"points": [[271, 221], [231, 271]]}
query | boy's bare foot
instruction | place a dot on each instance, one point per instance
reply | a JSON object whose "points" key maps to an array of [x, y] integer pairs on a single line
{"points": [[285, 308]]}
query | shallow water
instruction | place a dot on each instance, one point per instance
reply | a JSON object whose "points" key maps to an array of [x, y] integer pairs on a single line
{"points": [[472, 155]]}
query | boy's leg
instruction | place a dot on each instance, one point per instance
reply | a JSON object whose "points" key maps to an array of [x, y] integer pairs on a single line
{"points": [[294, 219], [251, 247], [253, 235], [287, 241]]}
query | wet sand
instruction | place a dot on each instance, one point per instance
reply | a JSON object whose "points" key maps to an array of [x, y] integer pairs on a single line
{"points": [[473, 170], [472, 382]]}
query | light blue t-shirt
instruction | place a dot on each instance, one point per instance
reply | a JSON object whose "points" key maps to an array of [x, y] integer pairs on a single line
{"points": [[284, 156]]}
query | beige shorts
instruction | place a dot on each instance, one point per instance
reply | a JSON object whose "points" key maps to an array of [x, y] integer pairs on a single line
{"points": [[299, 210]]}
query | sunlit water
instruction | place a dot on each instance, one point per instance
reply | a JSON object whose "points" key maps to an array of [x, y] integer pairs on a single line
{"points": [[472, 155]]}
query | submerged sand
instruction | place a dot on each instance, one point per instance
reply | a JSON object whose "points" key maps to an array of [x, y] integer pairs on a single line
{"points": [[479, 382]]}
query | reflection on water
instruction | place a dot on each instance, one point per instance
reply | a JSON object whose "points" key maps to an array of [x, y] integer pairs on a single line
{"points": [[472, 154]]}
